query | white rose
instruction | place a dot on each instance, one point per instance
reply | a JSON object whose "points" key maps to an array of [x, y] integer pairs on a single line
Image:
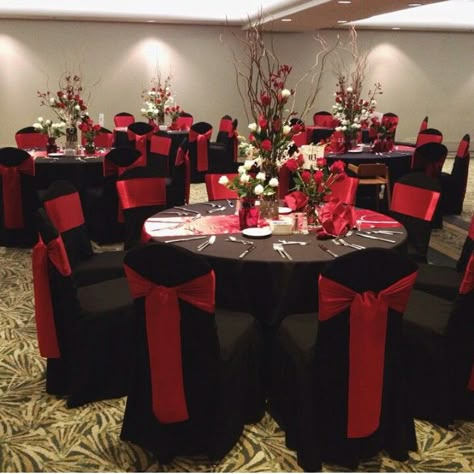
{"points": [[52, 100], [143, 111], [273, 182], [40, 119], [258, 189], [223, 180], [260, 176], [338, 129], [48, 122], [286, 129], [241, 169], [244, 178], [77, 107], [37, 125], [248, 164], [253, 127], [285, 93], [349, 89]]}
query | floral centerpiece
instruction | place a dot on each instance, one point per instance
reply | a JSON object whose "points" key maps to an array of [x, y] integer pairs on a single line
{"points": [[67, 104], [54, 130], [159, 102], [90, 131], [382, 134], [250, 184], [313, 185]]}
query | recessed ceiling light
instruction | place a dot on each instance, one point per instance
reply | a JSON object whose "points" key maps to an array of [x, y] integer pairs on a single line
{"points": [[344, 2], [286, 19], [342, 21]]}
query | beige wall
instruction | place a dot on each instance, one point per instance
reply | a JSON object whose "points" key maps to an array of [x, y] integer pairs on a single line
{"points": [[421, 73]]}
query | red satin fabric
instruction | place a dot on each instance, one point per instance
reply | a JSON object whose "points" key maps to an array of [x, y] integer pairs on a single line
{"points": [[123, 120], [163, 317], [368, 327], [31, 140], [324, 120], [184, 123], [300, 139], [55, 253], [160, 145], [140, 145], [109, 168], [226, 126], [180, 154], [471, 229], [463, 149], [467, 284], [12, 198], [424, 124], [428, 138], [413, 201], [140, 192], [104, 140], [344, 189], [202, 148], [187, 179], [215, 190], [65, 212]]}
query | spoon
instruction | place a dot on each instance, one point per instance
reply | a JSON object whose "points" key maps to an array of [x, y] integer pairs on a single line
{"points": [[240, 241]]}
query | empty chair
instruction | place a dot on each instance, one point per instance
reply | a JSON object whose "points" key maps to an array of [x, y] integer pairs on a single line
{"points": [[429, 135], [454, 184], [443, 280], [345, 190], [142, 193], [139, 134], [30, 138], [414, 201], [216, 191], [159, 153], [227, 136], [184, 121], [85, 333], [103, 139], [18, 198], [337, 382], [323, 119], [430, 158], [197, 148], [197, 368], [439, 353], [123, 119], [376, 175], [63, 206]]}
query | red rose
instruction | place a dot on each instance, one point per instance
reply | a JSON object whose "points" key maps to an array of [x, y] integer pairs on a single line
{"points": [[276, 125], [263, 122], [251, 137], [296, 128], [300, 160], [292, 165], [337, 167], [306, 176], [265, 99], [341, 176], [60, 93], [318, 176], [266, 145], [320, 162]]}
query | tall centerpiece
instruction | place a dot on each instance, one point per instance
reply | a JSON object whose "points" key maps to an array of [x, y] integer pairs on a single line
{"points": [[67, 104], [159, 102], [268, 99]]}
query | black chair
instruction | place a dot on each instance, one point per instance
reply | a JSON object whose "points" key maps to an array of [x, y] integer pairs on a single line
{"points": [[430, 158], [454, 184], [85, 333], [142, 192], [439, 348], [63, 207], [415, 198], [139, 134], [197, 369], [18, 198], [337, 382]]}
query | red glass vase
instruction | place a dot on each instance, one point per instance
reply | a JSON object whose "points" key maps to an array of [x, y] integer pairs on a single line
{"points": [[248, 214]]}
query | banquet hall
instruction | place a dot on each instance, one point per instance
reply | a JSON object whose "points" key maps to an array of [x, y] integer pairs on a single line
{"points": [[425, 69]]}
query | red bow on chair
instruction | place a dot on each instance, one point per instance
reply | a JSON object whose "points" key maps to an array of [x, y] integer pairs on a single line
{"points": [[140, 145], [202, 143], [368, 327], [12, 199], [55, 253], [164, 337]]}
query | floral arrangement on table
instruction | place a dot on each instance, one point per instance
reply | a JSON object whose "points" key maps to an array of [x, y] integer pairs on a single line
{"points": [[90, 131], [67, 103], [50, 128], [245, 149], [313, 185], [263, 84], [382, 135], [159, 101]]}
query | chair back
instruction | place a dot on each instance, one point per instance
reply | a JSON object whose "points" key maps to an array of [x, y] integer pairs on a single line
{"points": [[103, 139], [323, 119], [227, 135], [424, 124], [216, 191], [360, 316], [198, 149], [430, 158], [30, 138], [63, 206], [414, 201], [174, 303], [139, 134], [429, 135], [184, 121], [18, 198], [123, 119], [159, 153], [120, 159], [344, 189], [142, 193]]}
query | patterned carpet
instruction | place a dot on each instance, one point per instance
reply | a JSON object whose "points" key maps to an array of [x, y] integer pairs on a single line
{"points": [[38, 433]]}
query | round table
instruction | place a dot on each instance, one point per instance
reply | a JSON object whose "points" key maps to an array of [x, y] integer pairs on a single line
{"points": [[262, 282]]}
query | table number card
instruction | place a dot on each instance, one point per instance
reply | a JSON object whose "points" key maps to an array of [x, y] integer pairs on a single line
{"points": [[311, 153]]}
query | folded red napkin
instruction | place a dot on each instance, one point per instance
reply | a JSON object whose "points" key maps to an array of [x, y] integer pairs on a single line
{"points": [[296, 200], [336, 219]]}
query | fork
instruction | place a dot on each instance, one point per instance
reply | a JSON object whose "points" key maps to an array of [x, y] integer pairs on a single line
{"points": [[293, 242], [281, 250], [354, 246]]}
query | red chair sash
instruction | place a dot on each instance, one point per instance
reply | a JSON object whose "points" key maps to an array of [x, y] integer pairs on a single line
{"points": [[140, 145], [424, 124], [368, 327], [65, 212], [163, 317], [183, 123], [12, 197], [463, 149], [110, 168], [202, 148], [413, 201], [123, 120], [160, 145], [55, 253], [141, 192], [227, 127], [467, 284], [31, 140], [104, 140], [424, 138], [180, 154], [323, 120]]}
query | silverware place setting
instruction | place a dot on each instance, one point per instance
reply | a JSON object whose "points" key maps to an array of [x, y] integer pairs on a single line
{"points": [[373, 237], [330, 252], [247, 251], [216, 209], [231, 238], [185, 239], [281, 250], [202, 246], [293, 242]]}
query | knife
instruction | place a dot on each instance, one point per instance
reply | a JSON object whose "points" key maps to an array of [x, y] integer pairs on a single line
{"points": [[330, 252], [185, 239], [367, 236], [245, 252], [186, 210]]}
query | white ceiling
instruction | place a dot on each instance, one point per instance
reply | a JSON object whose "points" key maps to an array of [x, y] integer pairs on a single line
{"points": [[451, 15]]}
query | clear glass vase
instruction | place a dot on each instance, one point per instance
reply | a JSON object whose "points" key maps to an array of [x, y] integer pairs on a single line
{"points": [[312, 214], [269, 206], [71, 137]]}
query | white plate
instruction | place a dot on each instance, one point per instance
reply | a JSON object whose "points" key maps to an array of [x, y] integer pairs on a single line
{"points": [[55, 155], [257, 232], [284, 210], [357, 150]]}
